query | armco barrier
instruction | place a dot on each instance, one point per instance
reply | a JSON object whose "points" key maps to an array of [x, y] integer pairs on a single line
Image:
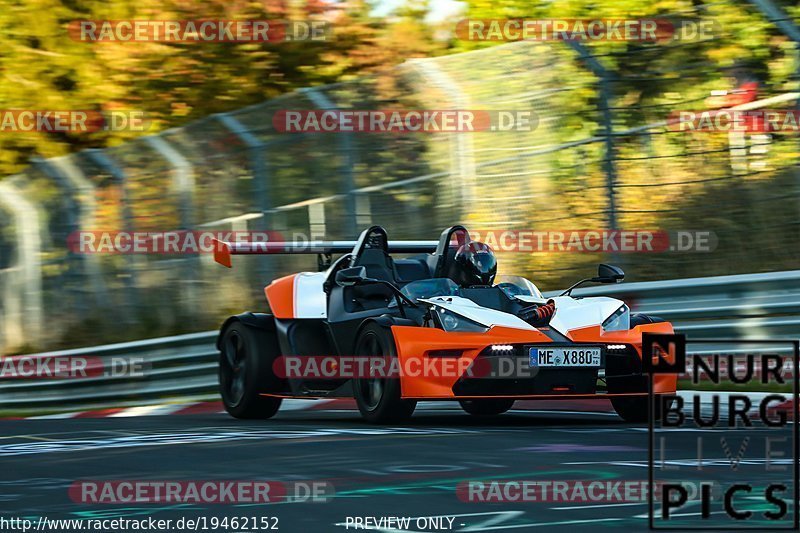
{"points": [[751, 306], [747, 306], [179, 366]]}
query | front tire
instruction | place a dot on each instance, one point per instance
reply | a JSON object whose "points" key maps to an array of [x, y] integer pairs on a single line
{"points": [[245, 370], [486, 407], [378, 398], [634, 409]]}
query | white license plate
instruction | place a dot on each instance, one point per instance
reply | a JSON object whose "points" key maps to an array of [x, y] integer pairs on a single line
{"points": [[564, 357]]}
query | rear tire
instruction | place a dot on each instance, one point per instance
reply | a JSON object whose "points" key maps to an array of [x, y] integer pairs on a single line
{"points": [[378, 399], [245, 370], [486, 407]]}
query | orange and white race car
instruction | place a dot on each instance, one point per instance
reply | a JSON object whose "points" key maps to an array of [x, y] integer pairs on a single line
{"points": [[432, 326]]}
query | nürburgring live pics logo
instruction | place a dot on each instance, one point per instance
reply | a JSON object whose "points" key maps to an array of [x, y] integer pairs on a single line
{"points": [[748, 482]]}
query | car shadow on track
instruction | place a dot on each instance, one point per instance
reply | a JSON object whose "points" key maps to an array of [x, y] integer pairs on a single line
{"points": [[514, 419]]}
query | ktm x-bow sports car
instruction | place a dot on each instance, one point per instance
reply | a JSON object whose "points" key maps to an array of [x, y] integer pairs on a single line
{"points": [[446, 327]]}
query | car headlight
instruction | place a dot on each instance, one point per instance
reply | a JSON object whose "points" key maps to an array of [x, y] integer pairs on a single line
{"points": [[451, 321], [619, 321]]}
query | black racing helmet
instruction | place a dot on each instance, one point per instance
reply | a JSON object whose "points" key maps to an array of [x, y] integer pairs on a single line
{"points": [[475, 264]]}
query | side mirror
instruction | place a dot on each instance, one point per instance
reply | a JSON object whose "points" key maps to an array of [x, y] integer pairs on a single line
{"points": [[347, 277], [609, 274]]}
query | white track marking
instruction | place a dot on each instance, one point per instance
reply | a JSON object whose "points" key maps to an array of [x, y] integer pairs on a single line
{"points": [[148, 410], [599, 506], [55, 416], [296, 404]]}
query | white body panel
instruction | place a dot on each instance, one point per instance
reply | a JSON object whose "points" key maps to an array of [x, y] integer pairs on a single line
{"points": [[482, 315], [570, 313], [310, 300], [532, 299], [584, 312]]}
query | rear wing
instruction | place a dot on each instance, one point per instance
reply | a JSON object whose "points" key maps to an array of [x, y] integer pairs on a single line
{"points": [[224, 250]]}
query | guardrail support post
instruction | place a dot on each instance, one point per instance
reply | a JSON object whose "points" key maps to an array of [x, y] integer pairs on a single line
{"points": [[363, 210]]}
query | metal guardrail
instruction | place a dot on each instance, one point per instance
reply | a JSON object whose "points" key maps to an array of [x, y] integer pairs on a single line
{"points": [[179, 366], [747, 306], [751, 306]]}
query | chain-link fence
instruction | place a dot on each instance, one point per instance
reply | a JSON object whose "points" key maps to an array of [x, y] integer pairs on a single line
{"points": [[593, 161]]}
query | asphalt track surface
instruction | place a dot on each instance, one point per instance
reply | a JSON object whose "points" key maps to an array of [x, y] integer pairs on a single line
{"points": [[411, 470]]}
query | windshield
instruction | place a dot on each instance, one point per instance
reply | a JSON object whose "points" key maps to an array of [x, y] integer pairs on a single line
{"points": [[517, 286], [428, 288]]}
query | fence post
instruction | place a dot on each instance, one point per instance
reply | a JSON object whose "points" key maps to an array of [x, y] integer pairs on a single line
{"points": [[256, 154], [347, 150], [778, 16], [30, 314], [87, 202], [70, 191], [115, 171], [183, 182], [258, 163], [609, 166], [462, 159], [182, 178]]}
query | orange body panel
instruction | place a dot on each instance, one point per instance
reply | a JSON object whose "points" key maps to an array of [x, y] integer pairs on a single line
{"points": [[280, 295], [662, 383], [222, 253], [414, 342]]}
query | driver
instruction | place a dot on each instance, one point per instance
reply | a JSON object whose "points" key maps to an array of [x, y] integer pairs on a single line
{"points": [[474, 264]]}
